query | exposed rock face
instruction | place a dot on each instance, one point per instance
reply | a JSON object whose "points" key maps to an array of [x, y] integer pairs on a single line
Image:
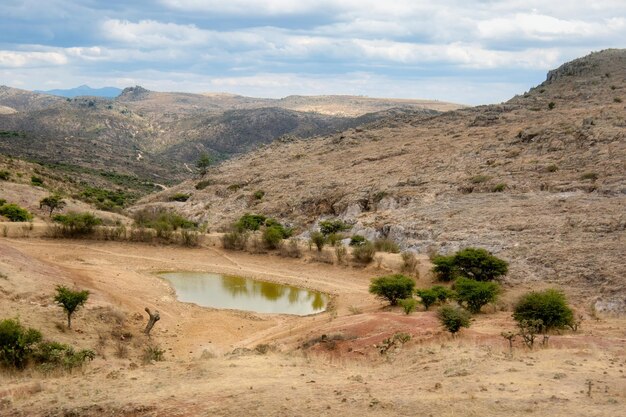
{"points": [[541, 185]]}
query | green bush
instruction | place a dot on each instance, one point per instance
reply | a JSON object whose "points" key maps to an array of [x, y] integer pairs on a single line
{"points": [[15, 213], [453, 318], [286, 232], [153, 353], [161, 219], [5, 175], [319, 240], [357, 240], [589, 176], [472, 263], [181, 197], [189, 238], [258, 194], [443, 293], [333, 226], [498, 188], [250, 222], [36, 181], [386, 245], [272, 236], [392, 288], [549, 306], [54, 355], [77, 224], [334, 239], [551, 105], [475, 294], [70, 301], [16, 343], [203, 184], [408, 305], [428, 297], [364, 254], [106, 199]]}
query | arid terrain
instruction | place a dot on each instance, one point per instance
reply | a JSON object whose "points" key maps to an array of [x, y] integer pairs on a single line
{"points": [[538, 181]]}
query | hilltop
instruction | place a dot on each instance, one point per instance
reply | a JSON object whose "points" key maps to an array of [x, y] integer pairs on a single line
{"points": [[538, 180], [83, 90]]}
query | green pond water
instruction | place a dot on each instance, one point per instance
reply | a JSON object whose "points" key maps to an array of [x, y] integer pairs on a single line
{"points": [[232, 292]]}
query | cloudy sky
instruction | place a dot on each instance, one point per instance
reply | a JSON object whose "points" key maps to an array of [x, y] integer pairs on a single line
{"points": [[467, 51]]}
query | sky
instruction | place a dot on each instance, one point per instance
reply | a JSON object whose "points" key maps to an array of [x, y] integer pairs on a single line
{"points": [[464, 51]]}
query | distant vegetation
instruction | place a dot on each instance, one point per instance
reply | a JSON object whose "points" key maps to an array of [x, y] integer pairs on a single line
{"points": [[107, 199], [472, 263], [76, 224]]}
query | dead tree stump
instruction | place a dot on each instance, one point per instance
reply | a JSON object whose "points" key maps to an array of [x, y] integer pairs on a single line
{"points": [[154, 317]]}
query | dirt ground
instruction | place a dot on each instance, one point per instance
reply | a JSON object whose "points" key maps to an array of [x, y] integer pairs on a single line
{"points": [[211, 365]]}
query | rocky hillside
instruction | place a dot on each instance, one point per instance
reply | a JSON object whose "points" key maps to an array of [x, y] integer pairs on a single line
{"points": [[539, 180], [156, 136]]}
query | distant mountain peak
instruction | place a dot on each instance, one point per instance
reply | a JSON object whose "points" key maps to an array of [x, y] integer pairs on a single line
{"points": [[84, 90]]}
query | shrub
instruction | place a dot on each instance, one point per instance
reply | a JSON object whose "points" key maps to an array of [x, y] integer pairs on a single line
{"points": [[181, 197], [189, 238], [284, 231], [319, 240], [427, 297], [386, 245], [444, 268], [498, 188], [475, 294], [549, 306], [357, 240], [77, 224], [153, 353], [272, 236], [15, 213], [589, 176], [5, 175], [334, 239], [392, 288], [258, 194], [408, 305], [551, 105], [16, 343], [250, 222], [341, 253], [290, 249], [36, 181], [203, 162], [453, 318], [162, 220], [443, 294], [409, 262], [479, 179], [617, 100], [552, 168], [70, 301], [333, 226], [235, 240], [53, 354], [106, 199], [479, 264], [203, 184], [364, 254]]}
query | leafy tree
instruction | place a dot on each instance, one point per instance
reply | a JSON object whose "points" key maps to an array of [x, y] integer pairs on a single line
{"points": [[15, 213], [319, 240], [392, 287], [453, 318], [443, 293], [444, 268], [70, 301], [53, 202], [357, 240], [475, 294], [333, 226], [203, 162], [549, 306], [479, 264], [16, 343]]}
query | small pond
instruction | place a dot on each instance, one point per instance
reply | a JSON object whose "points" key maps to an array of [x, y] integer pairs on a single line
{"points": [[232, 292]]}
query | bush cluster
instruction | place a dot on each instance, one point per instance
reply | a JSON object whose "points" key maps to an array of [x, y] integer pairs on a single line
{"points": [[76, 224], [328, 227]]}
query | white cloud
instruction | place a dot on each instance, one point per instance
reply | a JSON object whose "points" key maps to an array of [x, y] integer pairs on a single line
{"points": [[21, 59]]}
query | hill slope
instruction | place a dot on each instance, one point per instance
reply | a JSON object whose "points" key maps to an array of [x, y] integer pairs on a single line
{"points": [[538, 180]]}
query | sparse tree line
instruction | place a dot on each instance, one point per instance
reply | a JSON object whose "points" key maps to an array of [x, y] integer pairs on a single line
{"points": [[21, 346], [471, 273]]}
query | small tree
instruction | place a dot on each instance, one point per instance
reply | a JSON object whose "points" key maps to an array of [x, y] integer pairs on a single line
{"points": [[70, 301], [408, 305], [53, 202], [203, 162], [392, 287], [333, 226], [475, 294], [453, 318], [444, 268], [272, 236], [549, 306]]}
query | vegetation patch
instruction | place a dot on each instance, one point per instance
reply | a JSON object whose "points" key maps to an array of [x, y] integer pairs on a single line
{"points": [[15, 213], [392, 288]]}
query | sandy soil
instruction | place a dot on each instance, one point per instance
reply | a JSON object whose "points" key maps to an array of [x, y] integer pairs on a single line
{"points": [[208, 370]]}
